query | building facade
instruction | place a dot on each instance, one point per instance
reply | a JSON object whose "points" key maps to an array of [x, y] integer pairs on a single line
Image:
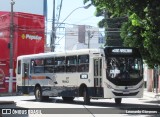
{"points": [[83, 36]]}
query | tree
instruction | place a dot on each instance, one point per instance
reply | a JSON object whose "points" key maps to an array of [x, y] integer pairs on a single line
{"points": [[113, 31], [112, 25], [142, 30]]}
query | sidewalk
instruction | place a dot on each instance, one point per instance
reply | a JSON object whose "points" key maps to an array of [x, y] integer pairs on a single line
{"points": [[151, 94]]}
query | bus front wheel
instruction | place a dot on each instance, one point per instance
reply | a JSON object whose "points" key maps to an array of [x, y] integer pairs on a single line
{"points": [[118, 100], [38, 94], [86, 96]]}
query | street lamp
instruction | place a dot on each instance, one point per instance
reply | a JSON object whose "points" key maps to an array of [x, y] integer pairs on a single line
{"points": [[11, 47], [55, 28]]}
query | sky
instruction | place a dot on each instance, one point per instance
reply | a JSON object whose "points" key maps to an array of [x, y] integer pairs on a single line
{"points": [[22, 6], [80, 16]]}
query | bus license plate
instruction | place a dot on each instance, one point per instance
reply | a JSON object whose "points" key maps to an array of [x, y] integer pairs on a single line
{"points": [[126, 92]]}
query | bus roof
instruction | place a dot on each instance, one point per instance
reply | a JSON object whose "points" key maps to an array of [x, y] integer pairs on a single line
{"points": [[71, 52]]}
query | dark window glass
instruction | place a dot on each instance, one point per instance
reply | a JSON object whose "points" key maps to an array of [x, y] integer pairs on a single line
{"points": [[59, 64], [37, 66], [71, 64], [19, 67], [121, 67], [49, 65], [83, 63]]}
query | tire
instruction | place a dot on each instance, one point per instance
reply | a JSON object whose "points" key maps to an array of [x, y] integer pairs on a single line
{"points": [[68, 98], [86, 97], [118, 101], [38, 94]]}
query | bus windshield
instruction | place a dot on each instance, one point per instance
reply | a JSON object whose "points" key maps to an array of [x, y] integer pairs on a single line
{"points": [[124, 67]]}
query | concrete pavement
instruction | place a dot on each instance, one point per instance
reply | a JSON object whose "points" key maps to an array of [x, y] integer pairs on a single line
{"points": [[9, 101], [151, 94], [145, 94]]}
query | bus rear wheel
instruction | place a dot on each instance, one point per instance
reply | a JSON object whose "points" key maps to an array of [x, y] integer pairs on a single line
{"points": [[86, 96], [118, 100], [38, 94]]}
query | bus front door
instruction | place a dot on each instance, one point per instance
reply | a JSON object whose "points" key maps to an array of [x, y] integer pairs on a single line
{"points": [[98, 77], [25, 77]]}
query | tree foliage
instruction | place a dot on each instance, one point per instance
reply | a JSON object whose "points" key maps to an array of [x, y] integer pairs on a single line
{"points": [[142, 29]]}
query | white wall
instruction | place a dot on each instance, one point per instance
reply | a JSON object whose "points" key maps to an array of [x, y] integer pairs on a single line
{"points": [[71, 38]]}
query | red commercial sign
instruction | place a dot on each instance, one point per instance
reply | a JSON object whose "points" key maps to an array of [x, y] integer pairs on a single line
{"points": [[29, 38]]}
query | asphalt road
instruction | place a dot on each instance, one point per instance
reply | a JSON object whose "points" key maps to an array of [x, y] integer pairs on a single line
{"points": [[26, 106]]}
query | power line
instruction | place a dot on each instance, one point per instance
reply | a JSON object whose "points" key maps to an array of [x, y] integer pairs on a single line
{"points": [[60, 11], [85, 19]]}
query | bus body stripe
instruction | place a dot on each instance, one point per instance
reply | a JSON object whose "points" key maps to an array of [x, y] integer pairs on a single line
{"points": [[35, 77]]}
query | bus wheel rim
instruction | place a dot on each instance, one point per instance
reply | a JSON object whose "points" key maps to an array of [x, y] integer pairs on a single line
{"points": [[38, 94]]}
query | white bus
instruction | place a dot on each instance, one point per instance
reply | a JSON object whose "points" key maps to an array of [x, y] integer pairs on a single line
{"points": [[111, 72]]}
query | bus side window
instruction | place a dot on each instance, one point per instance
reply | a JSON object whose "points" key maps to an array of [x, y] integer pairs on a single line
{"points": [[71, 64], [59, 65], [19, 67], [32, 66], [37, 66], [49, 65], [25, 70], [83, 63]]}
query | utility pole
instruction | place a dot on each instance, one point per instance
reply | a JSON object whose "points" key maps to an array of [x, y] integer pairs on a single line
{"points": [[53, 34], [11, 47], [89, 37]]}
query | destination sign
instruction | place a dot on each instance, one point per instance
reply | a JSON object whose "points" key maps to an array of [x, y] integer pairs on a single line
{"points": [[127, 51]]}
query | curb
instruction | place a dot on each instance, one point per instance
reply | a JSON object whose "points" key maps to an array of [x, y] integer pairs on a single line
{"points": [[9, 94], [7, 102], [157, 96], [2, 102]]}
